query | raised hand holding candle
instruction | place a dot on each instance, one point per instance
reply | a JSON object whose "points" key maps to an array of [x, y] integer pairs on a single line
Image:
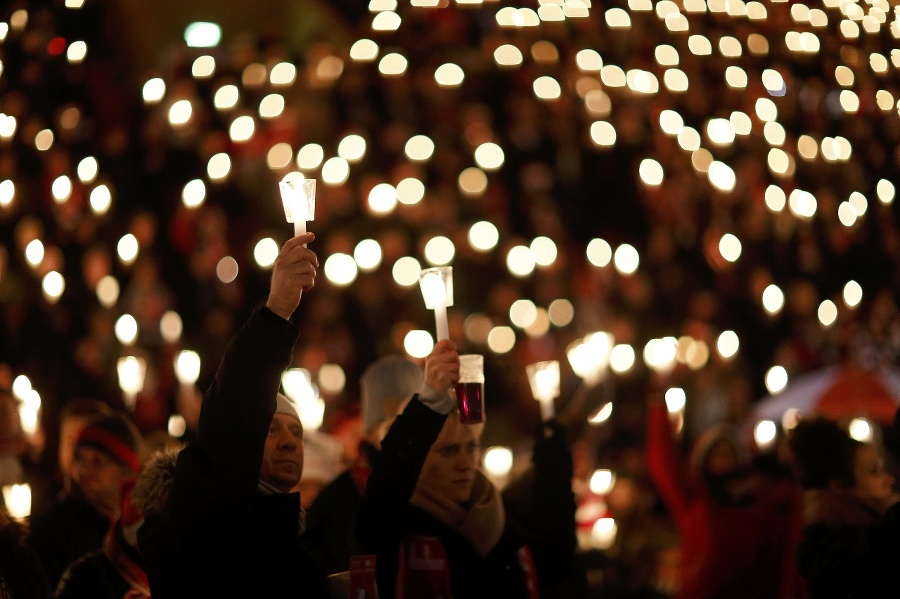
{"points": [[298, 195], [437, 289], [544, 380]]}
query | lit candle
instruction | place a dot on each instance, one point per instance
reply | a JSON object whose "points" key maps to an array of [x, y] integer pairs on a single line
{"points": [[604, 532], [544, 380], [676, 399], [437, 289], [131, 371], [187, 367], [589, 356], [498, 462], [18, 500], [602, 482], [601, 415], [764, 433], [29, 412], [298, 195], [299, 388]]}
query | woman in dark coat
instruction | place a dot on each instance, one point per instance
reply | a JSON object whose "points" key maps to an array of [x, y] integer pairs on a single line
{"points": [[437, 525], [851, 534]]}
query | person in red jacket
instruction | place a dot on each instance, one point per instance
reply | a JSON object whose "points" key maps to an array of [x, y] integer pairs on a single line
{"points": [[734, 523]]}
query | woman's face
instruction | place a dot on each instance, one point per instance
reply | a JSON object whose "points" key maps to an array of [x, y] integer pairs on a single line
{"points": [[871, 480], [722, 458], [450, 465]]}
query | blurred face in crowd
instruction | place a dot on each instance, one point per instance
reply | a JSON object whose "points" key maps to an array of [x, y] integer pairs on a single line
{"points": [[100, 478], [68, 434], [450, 465], [722, 458], [282, 462], [871, 481]]}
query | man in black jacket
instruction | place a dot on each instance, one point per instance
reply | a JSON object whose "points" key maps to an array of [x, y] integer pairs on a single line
{"points": [[229, 527]]}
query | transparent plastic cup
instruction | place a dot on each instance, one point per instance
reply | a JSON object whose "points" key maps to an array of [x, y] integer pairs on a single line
{"points": [[470, 388]]}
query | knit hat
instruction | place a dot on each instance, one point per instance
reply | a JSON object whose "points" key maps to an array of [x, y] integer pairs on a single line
{"points": [[385, 385], [284, 406], [113, 436]]}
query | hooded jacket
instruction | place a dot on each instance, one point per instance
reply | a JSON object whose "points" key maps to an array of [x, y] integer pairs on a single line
{"points": [[734, 550], [217, 536]]}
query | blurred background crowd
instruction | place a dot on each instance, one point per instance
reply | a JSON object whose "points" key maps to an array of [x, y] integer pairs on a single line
{"points": [[712, 184]]}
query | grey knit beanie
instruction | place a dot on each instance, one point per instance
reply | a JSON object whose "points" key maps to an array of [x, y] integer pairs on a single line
{"points": [[389, 380]]}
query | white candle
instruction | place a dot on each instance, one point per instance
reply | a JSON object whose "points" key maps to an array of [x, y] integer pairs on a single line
{"points": [[435, 292], [18, 500], [548, 411], [544, 380], [765, 433], [187, 367], [298, 196], [131, 372], [604, 532]]}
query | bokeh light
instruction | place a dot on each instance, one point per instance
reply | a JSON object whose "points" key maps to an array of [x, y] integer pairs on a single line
{"points": [[368, 255], [265, 252], [418, 343], [340, 269]]}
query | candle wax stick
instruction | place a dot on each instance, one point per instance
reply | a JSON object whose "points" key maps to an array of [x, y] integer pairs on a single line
{"points": [[299, 228], [440, 320], [547, 409]]}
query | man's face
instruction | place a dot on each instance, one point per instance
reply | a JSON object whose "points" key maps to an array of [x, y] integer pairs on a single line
{"points": [[282, 461], [100, 478], [68, 434], [450, 465]]}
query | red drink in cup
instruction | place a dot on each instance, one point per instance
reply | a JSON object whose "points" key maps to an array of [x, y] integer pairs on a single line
{"points": [[470, 389], [470, 400]]}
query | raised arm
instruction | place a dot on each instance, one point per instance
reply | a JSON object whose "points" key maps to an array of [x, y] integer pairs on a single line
{"points": [[549, 516], [664, 460], [238, 407], [404, 449]]}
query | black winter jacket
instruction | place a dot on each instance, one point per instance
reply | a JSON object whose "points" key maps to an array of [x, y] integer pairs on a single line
{"points": [[65, 532], [217, 535], [331, 522], [386, 517]]}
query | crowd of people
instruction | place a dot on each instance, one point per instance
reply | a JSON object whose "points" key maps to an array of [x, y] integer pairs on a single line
{"points": [[709, 523]]}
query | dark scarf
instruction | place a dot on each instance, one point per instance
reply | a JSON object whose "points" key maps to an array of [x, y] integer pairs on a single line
{"points": [[267, 490]]}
